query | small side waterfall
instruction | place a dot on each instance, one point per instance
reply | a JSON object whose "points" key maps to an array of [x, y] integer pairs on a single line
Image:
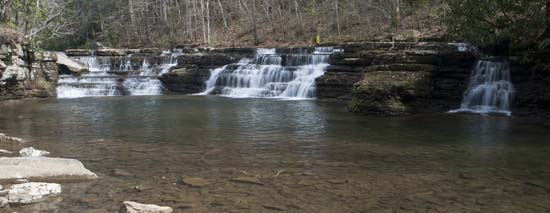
{"points": [[490, 89], [117, 76], [271, 74]]}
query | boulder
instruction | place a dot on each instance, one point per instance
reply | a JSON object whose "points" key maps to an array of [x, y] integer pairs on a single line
{"points": [[4, 203], [72, 65], [31, 152], [43, 168], [248, 180], [14, 72], [185, 81], [336, 85], [195, 182], [32, 192], [134, 207], [391, 92]]}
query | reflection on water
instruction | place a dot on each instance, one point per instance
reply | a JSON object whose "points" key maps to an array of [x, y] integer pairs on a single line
{"points": [[327, 159]]}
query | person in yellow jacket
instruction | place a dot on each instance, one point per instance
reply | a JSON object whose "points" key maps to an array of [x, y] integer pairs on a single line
{"points": [[318, 39]]}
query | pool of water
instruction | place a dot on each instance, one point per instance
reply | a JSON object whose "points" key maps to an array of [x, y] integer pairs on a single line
{"points": [[310, 156]]}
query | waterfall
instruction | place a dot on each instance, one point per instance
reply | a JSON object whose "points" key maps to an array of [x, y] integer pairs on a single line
{"points": [[490, 89], [271, 74], [117, 76]]}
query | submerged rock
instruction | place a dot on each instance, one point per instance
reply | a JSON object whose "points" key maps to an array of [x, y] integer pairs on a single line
{"points": [[274, 207], [249, 180], [337, 181], [32, 192], [31, 152], [134, 207], [43, 168], [195, 182], [121, 173]]}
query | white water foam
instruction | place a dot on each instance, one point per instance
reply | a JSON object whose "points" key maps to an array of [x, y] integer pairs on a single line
{"points": [[107, 78], [490, 90], [271, 75]]}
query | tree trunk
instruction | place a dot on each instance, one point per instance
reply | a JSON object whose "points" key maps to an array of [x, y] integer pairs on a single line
{"points": [[223, 16], [203, 22], [165, 12], [208, 20], [254, 22], [131, 8], [5, 10], [337, 10], [547, 32], [397, 13]]}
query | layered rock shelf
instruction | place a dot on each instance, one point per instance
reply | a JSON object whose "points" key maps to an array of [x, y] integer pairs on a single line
{"points": [[381, 78], [397, 78], [193, 69], [23, 73]]}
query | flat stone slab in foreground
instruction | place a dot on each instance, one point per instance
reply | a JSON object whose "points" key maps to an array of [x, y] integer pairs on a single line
{"points": [[43, 168]]}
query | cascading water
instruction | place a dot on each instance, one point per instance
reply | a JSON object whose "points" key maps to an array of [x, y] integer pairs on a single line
{"points": [[270, 74], [490, 89], [117, 76]]}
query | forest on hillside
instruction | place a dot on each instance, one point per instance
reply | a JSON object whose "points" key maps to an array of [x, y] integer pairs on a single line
{"points": [[58, 24]]}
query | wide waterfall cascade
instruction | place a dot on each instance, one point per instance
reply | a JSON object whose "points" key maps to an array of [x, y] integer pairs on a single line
{"points": [[271, 74], [117, 76], [490, 89]]}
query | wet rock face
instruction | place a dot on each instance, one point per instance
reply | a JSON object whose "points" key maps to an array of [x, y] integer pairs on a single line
{"points": [[337, 82], [532, 86], [193, 69], [185, 81], [391, 92], [397, 78], [22, 74]]}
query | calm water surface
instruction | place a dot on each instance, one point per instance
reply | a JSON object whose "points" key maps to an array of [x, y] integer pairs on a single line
{"points": [[311, 156]]}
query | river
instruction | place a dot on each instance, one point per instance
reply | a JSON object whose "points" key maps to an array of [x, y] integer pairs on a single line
{"points": [[309, 155]]}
